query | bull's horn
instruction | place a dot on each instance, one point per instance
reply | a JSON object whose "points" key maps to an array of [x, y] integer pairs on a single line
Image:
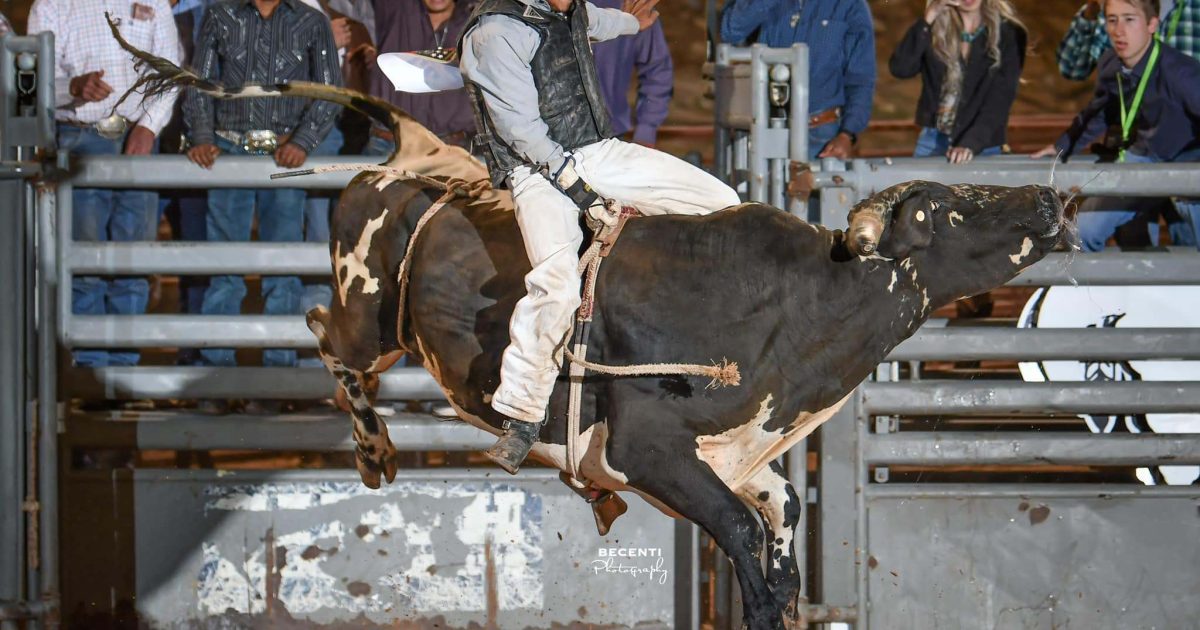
{"points": [[865, 230]]}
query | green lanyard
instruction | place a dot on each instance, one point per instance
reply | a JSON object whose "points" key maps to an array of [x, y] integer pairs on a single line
{"points": [[1176, 12], [1127, 117]]}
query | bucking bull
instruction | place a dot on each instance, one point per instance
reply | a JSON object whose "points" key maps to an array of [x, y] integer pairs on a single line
{"points": [[807, 313]]}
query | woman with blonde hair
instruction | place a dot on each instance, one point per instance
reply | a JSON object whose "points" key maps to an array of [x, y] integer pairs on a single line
{"points": [[969, 54]]}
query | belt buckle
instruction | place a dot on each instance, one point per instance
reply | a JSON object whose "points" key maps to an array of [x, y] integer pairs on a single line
{"points": [[113, 127], [260, 142]]}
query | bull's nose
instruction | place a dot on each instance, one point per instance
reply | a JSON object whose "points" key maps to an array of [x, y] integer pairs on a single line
{"points": [[1048, 198]]}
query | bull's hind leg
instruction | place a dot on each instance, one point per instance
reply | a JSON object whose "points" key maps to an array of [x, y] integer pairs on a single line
{"points": [[689, 487], [374, 454], [772, 495]]}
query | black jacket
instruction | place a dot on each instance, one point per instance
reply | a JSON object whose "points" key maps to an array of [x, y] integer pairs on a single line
{"points": [[987, 93]]}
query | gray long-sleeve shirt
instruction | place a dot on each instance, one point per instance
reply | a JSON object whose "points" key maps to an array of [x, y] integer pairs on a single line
{"points": [[496, 56]]}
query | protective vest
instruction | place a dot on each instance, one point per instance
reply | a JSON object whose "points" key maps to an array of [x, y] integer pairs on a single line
{"points": [[564, 73]]}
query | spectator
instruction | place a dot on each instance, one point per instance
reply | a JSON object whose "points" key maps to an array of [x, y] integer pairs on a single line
{"points": [[969, 55], [259, 41], [186, 209], [91, 73], [841, 60], [447, 114], [1147, 107], [616, 60], [5, 25], [1087, 38]]}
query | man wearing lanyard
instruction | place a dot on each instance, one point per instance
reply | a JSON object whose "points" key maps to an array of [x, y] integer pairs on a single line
{"points": [[841, 59], [1087, 38], [1147, 107]]}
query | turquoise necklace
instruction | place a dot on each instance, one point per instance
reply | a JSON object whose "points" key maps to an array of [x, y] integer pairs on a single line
{"points": [[969, 36]]}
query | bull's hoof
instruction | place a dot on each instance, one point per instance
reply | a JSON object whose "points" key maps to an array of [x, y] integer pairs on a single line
{"points": [[376, 462], [606, 508]]}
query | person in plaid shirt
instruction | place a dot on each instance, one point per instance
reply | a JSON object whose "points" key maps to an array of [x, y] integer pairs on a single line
{"points": [[1086, 39], [91, 73]]}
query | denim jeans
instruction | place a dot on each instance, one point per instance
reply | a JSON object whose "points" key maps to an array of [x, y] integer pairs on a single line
{"points": [[319, 291], [933, 143], [379, 146], [820, 136], [1100, 217], [186, 211], [107, 215], [230, 216]]}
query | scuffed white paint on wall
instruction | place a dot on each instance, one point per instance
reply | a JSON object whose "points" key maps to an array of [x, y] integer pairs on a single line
{"points": [[504, 516], [221, 587]]}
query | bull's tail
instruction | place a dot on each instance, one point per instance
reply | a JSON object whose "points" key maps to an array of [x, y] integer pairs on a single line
{"points": [[158, 75], [374, 454]]}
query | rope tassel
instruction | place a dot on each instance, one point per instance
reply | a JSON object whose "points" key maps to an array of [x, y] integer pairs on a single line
{"points": [[723, 374]]}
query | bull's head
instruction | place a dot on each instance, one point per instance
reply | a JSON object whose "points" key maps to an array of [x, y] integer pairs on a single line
{"points": [[987, 232]]}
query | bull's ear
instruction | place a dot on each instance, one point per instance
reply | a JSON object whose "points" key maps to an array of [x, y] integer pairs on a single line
{"points": [[911, 228]]}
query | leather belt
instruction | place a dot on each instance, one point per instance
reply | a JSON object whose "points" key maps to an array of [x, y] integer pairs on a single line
{"points": [[255, 142], [833, 114], [111, 128]]}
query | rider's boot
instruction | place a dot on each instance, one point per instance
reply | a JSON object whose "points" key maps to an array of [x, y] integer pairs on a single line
{"points": [[511, 449]]}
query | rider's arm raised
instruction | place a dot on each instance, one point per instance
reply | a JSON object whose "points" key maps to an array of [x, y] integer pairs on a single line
{"points": [[605, 24], [496, 57]]}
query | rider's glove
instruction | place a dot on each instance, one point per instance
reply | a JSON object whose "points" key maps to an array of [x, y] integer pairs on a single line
{"points": [[569, 183]]}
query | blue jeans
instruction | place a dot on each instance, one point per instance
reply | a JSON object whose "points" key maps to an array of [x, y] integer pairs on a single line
{"points": [[230, 216], [1099, 217], [186, 210], [933, 143], [820, 136], [319, 292], [379, 146], [107, 215]]}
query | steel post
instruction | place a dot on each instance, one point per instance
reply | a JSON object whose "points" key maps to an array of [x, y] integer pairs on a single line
{"points": [[45, 576], [759, 124], [13, 309]]}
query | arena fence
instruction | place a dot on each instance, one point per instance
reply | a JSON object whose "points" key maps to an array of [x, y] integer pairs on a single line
{"points": [[890, 552], [856, 450]]}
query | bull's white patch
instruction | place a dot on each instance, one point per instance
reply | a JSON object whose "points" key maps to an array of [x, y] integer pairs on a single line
{"points": [[920, 215], [892, 284], [772, 509], [354, 263], [385, 361], [1026, 247], [955, 215], [924, 300], [740, 453]]}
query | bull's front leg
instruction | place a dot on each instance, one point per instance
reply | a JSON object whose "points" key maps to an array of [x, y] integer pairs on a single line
{"points": [[374, 454], [771, 494]]}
